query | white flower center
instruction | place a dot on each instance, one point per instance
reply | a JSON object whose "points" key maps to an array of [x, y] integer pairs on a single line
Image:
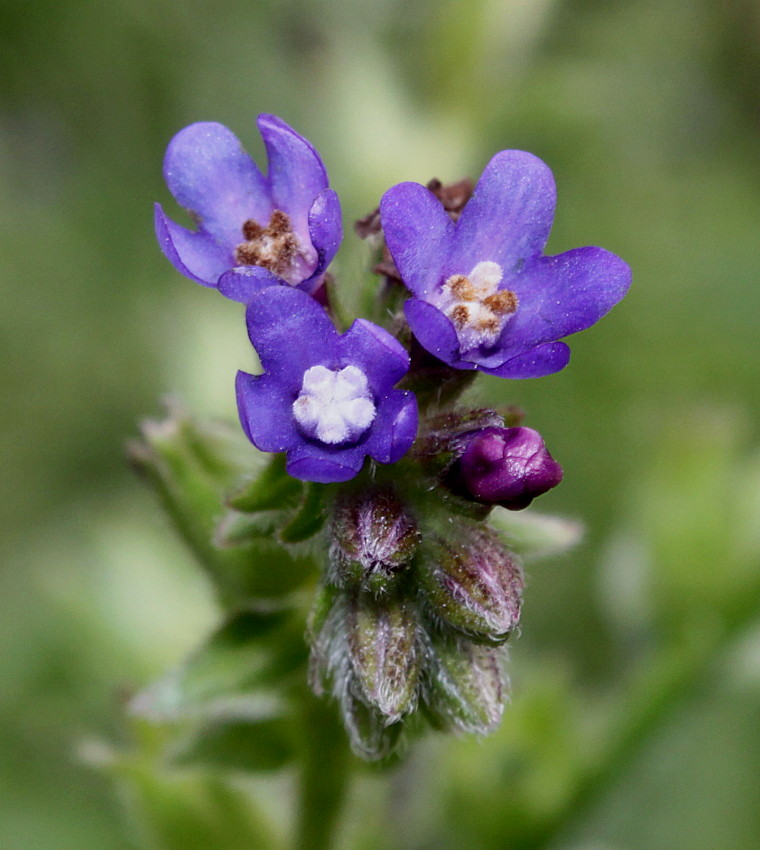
{"points": [[334, 406], [476, 306]]}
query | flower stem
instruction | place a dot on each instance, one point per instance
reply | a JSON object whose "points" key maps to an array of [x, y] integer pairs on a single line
{"points": [[324, 776], [665, 683]]}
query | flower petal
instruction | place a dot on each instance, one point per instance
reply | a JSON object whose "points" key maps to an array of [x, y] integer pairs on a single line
{"points": [[325, 465], [535, 363], [417, 231], [296, 172], [195, 255], [209, 173], [290, 333], [434, 331], [509, 216], [241, 284], [565, 294], [379, 355], [394, 428], [325, 232], [266, 412]]}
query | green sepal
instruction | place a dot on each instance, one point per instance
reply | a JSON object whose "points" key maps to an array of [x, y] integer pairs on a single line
{"points": [[333, 635], [384, 652], [322, 604], [440, 442], [309, 518], [465, 686], [371, 736], [241, 529], [373, 537], [446, 503], [470, 580], [272, 489]]}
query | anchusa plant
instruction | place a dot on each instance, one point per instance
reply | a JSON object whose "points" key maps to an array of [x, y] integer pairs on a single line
{"points": [[370, 515]]}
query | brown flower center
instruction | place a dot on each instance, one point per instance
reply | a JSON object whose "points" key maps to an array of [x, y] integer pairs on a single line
{"points": [[476, 306], [274, 247]]}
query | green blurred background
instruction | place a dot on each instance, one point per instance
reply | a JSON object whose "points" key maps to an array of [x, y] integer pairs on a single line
{"points": [[648, 112]]}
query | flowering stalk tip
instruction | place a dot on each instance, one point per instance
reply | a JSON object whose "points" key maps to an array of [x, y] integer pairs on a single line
{"points": [[418, 592]]}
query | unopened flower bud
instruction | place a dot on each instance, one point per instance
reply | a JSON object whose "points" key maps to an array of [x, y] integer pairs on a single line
{"points": [[366, 652], [372, 736], [472, 581], [383, 651], [374, 536], [465, 685], [505, 466]]}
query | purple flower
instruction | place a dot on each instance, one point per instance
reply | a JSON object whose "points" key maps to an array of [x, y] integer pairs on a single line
{"points": [[505, 466], [253, 231], [485, 297], [325, 398]]}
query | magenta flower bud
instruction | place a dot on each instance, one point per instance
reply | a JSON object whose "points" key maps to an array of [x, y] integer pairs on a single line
{"points": [[506, 466]]}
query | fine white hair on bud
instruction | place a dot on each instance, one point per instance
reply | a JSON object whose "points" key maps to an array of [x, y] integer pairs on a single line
{"points": [[334, 406], [374, 537]]}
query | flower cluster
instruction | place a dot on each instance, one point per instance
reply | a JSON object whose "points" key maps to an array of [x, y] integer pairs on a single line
{"points": [[414, 607]]}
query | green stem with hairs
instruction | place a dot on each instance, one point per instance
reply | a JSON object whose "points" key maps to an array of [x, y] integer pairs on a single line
{"points": [[324, 777], [667, 680]]}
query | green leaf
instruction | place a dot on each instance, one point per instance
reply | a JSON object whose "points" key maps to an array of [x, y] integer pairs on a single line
{"points": [[310, 517], [190, 464], [272, 489], [230, 745], [183, 810], [240, 529], [536, 535], [250, 652], [264, 569]]}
